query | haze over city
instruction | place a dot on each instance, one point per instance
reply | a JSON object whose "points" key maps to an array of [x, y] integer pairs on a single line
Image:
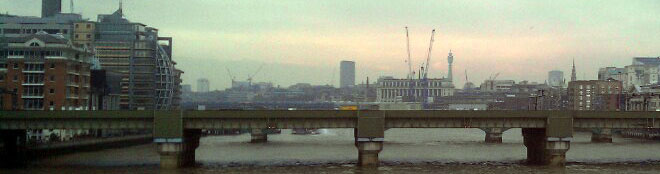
{"points": [[303, 41]]}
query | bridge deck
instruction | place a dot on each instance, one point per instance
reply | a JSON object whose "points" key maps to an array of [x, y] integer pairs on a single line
{"points": [[285, 119]]}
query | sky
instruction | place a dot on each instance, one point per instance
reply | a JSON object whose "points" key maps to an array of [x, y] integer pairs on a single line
{"points": [[304, 41]]}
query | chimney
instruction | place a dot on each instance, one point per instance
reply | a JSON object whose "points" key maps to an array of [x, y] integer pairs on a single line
{"points": [[50, 7]]}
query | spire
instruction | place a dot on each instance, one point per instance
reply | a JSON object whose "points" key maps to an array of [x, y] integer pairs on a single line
{"points": [[120, 10], [573, 76]]}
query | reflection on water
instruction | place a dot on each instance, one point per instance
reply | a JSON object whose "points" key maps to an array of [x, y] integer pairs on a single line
{"points": [[333, 151]]}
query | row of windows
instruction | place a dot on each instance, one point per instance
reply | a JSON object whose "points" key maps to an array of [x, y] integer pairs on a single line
{"points": [[87, 36], [34, 31], [88, 26], [406, 83], [30, 53], [33, 78]]}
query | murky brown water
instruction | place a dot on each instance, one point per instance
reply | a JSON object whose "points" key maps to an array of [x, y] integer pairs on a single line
{"points": [[333, 151]]}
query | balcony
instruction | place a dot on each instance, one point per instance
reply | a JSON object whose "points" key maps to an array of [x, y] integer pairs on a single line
{"points": [[33, 84], [28, 96]]}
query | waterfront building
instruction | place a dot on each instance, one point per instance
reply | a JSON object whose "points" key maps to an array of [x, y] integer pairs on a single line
{"points": [[45, 72], [142, 57]]}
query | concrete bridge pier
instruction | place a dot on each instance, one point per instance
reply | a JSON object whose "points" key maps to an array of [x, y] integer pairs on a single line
{"points": [[369, 136], [534, 140], [603, 135], [555, 151], [13, 154], [258, 136], [176, 153], [368, 152], [494, 135]]}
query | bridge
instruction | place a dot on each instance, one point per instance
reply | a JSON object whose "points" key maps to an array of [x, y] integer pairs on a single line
{"points": [[547, 134]]}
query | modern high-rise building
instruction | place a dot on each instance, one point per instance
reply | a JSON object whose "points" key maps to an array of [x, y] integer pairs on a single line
{"points": [[556, 78], [203, 85], [44, 72], [346, 74], [50, 7], [143, 58]]}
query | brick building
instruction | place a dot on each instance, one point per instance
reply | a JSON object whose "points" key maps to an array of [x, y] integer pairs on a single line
{"points": [[46, 72], [603, 95]]}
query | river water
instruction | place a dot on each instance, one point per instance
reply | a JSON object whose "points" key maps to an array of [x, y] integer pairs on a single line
{"points": [[333, 151]]}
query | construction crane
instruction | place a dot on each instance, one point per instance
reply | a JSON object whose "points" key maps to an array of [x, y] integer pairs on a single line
{"points": [[428, 57], [253, 74], [425, 70], [232, 77], [466, 76], [410, 73]]}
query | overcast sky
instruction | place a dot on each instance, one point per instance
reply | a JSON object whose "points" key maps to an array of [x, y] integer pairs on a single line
{"points": [[304, 41]]}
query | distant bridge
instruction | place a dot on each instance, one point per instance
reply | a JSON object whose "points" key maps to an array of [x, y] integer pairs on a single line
{"points": [[547, 134]]}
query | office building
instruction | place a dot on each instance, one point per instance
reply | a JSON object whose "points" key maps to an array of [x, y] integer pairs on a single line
{"points": [[556, 78], [346, 74], [203, 85], [143, 58], [612, 73], [50, 8]]}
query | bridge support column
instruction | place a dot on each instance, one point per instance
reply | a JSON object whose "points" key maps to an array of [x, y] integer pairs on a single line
{"points": [[179, 153], [555, 151], [13, 152], [494, 135], [601, 136], [369, 137], [368, 152], [258, 136], [534, 140]]}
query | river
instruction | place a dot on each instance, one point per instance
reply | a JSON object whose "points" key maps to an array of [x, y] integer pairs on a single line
{"points": [[333, 151]]}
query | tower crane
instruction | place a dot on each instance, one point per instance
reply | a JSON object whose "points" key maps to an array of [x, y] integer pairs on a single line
{"points": [[425, 71], [410, 73], [232, 77], [253, 74]]}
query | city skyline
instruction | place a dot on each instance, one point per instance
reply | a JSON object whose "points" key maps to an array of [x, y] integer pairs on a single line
{"points": [[523, 39]]}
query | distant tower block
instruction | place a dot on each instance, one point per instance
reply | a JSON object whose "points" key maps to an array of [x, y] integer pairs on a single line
{"points": [[450, 60], [50, 7], [346, 74]]}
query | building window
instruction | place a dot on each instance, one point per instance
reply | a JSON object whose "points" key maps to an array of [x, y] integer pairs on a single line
{"points": [[77, 26], [76, 35], [89, 36], [15, 78], [52, 78], [52, 65], [2, 78], [15, 65], [34, 44], [51, 103], [52, 91], [89, 26]]}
